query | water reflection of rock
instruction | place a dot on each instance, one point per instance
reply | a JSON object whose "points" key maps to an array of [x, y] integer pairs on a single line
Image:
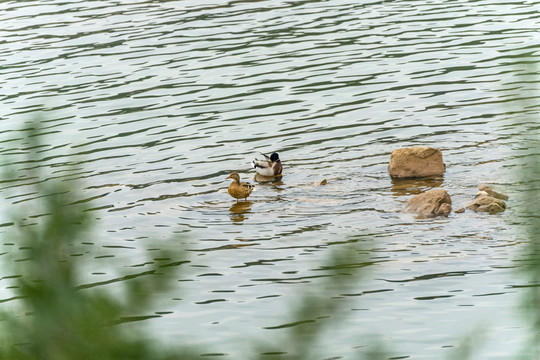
{"points": [[237, 211], [404, 187]]}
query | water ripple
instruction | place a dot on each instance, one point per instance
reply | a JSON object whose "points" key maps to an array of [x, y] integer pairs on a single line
{"points": [[159, 101]]}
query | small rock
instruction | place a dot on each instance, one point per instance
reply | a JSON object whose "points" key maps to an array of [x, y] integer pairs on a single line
{"points": [[485, 188], [487, 203], [488, 200], [444, 209], [430, 204], [460, 211], [416, 162], [495, 208]]}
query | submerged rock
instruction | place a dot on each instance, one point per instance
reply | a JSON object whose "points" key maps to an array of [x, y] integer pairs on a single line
{"points": [[430, 204], [415, 162]]}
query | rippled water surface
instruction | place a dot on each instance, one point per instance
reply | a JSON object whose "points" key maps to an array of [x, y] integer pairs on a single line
{"points": [[160, 101]]}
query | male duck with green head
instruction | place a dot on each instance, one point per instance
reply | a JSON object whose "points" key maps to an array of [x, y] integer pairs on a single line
{"points": [[270, 166]]}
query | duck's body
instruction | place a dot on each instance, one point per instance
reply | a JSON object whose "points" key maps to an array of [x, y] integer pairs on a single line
{"points": [[237, 189], [270, 166]]}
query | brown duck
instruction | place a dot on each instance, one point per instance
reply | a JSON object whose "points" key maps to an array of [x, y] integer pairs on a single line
{"points": [[237, 189]]}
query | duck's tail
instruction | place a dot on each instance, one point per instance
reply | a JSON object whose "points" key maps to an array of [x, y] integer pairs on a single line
{"points": [[256, 163]]}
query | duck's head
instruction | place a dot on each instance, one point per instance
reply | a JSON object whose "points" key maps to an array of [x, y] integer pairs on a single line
{"points": [[274, 157], [234, 176]]}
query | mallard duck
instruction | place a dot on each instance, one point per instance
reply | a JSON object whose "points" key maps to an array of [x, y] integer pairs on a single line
{"points": [[270, 166], [237, 189]]}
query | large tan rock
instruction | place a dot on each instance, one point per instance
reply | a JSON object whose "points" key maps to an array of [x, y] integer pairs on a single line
{"points": [[430, 204], [415, 162]]}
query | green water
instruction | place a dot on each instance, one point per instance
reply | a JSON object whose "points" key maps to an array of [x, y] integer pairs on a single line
{"points": [[159, 101]]}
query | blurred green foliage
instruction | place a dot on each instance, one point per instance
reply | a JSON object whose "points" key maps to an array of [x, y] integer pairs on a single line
{"points": [[53, 317], [530, 262]]}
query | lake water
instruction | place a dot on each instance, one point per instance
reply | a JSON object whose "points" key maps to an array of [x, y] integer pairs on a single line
{"points": [[162, 100]]}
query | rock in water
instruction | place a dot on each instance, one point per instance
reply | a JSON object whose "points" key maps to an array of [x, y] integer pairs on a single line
{"points": [[430, 204], [485, 203], [415, 162], [492, 193]]}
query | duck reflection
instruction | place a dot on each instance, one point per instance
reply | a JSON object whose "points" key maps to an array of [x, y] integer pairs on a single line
{"points": [[237, 212], [403, 187], [261, 179]]}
